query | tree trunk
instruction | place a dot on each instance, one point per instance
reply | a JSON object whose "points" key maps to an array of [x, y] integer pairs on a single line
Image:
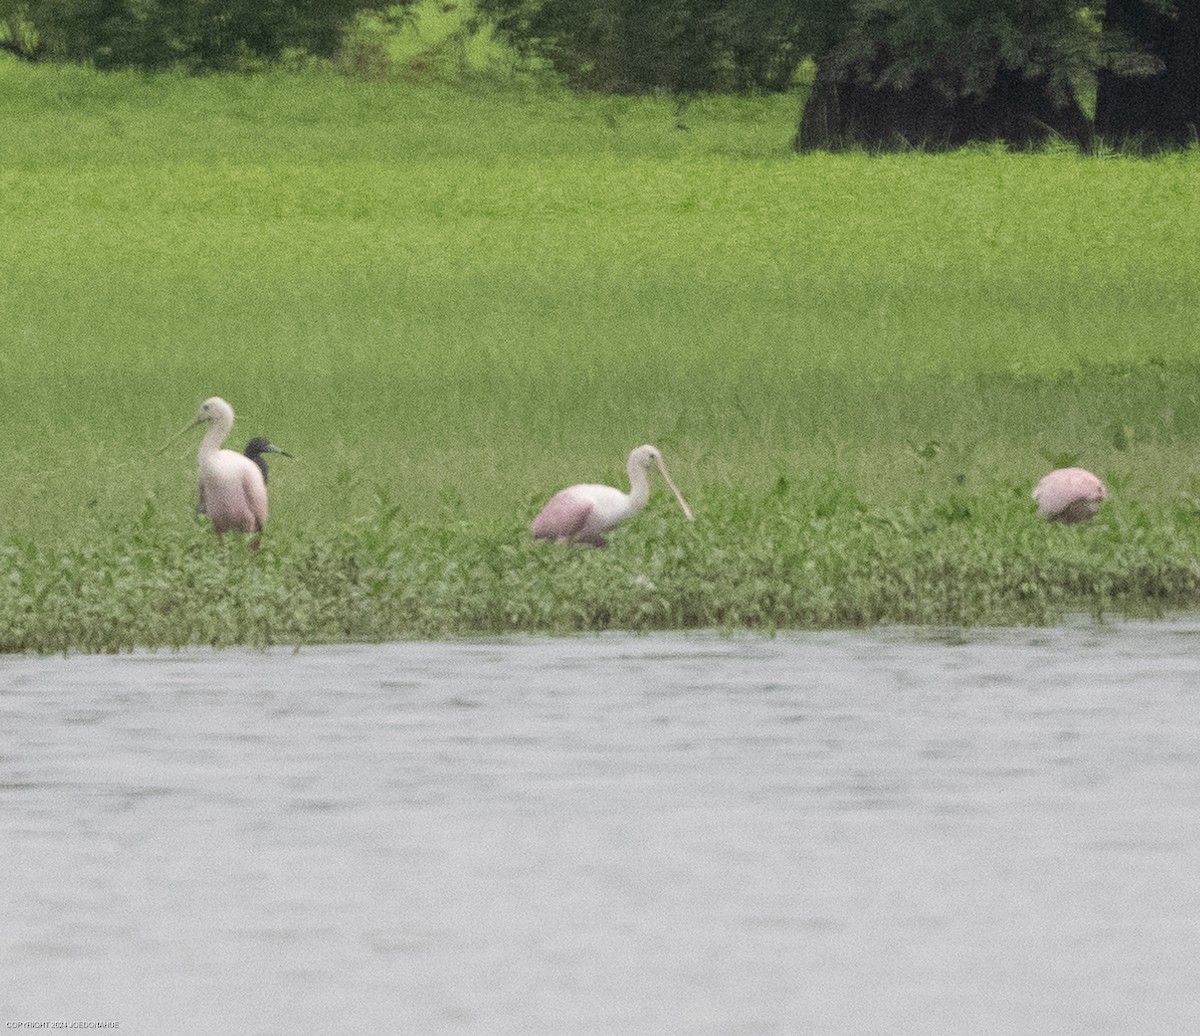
{"points": [[1161, 110], [1021, 111]]}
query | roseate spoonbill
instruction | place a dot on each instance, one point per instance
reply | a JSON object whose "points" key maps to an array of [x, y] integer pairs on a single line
{"points": [[255, 449], [583, 513], [233, 490], [1069, 495]]}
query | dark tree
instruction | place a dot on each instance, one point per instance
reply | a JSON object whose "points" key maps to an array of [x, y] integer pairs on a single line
{"points": [[938, 74], [892, 74], [17, 34], [1156, 103], [639, 46], [201, 35]]}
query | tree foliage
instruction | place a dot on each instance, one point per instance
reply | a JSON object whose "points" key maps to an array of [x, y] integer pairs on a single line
{"points": [[934, 73], [959, 48], [1148, 92], [680, 46], [202, 35], [929, 73]]}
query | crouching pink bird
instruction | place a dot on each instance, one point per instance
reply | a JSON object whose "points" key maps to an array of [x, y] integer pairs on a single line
{"points": [[584, 513], [1069, 495], [233, 492]]}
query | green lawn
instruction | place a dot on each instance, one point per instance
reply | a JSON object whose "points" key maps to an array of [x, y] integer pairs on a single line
{"points": [[449, 301]]}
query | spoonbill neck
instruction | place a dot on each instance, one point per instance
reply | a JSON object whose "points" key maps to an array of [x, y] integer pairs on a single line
{"points": [[216, 433], [639, 486]]}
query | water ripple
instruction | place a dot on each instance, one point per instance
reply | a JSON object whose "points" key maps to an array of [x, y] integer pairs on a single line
{"points": [[941, 831]]}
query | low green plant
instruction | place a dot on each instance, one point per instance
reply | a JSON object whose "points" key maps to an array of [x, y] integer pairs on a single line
{"points": [[805, 556]]}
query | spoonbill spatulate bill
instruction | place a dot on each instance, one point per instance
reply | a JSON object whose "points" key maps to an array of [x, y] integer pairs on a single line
{"points": [[233, 489], [584, 513], [1069, 495]]}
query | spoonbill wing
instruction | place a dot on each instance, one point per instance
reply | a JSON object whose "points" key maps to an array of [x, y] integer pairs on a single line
{"points": [[1069, 494], [563, 518]]}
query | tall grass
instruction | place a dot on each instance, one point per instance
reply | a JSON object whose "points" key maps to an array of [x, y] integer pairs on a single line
{"points": [[449, 301]]}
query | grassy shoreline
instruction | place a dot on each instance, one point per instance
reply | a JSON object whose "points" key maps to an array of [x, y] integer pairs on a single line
{"points": [[792, 560], [449, 302]]}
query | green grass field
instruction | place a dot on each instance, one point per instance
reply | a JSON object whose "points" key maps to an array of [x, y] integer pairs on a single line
{"points": [[449, 300]]}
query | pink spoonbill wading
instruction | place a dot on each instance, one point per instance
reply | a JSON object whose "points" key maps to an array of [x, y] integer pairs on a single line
{"points": [[1069, 495], [584, 513], [233, 488], [255, 450]]}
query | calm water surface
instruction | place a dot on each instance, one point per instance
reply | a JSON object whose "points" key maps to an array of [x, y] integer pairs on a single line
{"points": [[893, 832]]}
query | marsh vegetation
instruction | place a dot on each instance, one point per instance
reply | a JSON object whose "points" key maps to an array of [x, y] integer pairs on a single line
{"points": [[451, 300]]}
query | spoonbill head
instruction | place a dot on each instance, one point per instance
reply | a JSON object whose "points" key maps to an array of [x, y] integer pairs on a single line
{"points": [[584, 513], [233, 490], [1069, 495]]}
